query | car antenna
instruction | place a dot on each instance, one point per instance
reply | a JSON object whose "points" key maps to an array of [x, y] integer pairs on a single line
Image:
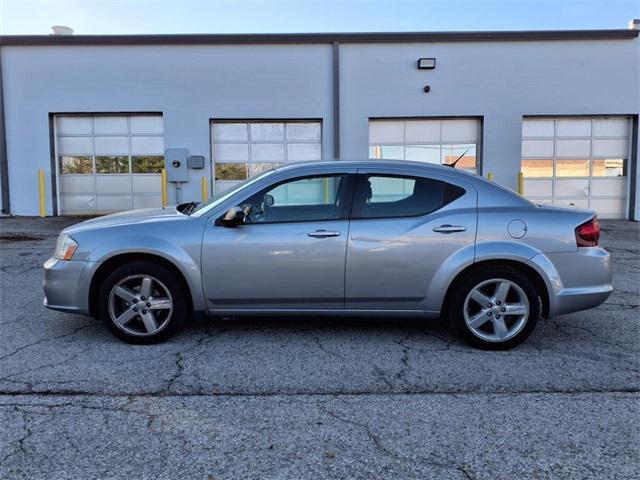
{"points": [[453, 164]]}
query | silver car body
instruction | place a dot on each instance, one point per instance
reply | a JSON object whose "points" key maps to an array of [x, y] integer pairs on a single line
{"points": [[372, 266]]}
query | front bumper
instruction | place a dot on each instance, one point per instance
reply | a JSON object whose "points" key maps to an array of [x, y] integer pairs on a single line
{"points": [[66, 285], [575, 280]]}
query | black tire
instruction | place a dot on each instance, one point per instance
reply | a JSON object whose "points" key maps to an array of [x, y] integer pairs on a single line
{"points": [[180, 305], [463, 287]]}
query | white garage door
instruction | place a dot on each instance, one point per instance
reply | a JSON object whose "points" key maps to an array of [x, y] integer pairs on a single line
{"points": [[442, 141], [241, 149], [577, 161], [107, 163]]}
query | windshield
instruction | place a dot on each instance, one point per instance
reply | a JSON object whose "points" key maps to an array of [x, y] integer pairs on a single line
{"points": [[222, 196]]}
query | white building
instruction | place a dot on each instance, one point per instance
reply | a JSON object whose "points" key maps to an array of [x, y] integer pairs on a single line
{"points": [[98, 113]]}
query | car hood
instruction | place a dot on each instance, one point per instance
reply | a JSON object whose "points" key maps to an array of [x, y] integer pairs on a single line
{"points": [[126, 218]]}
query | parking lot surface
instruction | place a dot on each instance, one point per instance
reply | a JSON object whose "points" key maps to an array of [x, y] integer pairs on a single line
{"points": [[314, 398]]}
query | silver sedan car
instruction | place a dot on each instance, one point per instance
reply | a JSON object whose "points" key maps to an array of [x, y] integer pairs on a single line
{"points": [[336, 238]]}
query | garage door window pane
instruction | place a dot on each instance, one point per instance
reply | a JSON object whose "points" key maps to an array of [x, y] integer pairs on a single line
{"points": [[112, 164], [572, 168], [537, 168], [463, 155], [256, 168], [389, 152], [609, 167], [77, 164], [147, 164], [231, 171], [423, 153]]}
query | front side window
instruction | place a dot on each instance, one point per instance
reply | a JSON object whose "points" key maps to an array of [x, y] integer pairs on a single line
{"points": [[303, 199], [391, 196]]}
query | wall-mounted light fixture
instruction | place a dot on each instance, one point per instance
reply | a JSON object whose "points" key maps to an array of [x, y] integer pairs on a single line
{"points": [[426, 63]]}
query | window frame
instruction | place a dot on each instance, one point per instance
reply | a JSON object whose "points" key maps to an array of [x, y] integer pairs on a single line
{"points": [[345, 211], [361, 176]]}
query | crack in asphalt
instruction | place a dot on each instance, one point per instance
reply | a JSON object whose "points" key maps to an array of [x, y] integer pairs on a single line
{"points": [[332, 393], [381, 448]]}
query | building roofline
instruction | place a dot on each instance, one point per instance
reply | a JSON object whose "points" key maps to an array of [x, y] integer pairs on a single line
{"points": [[315, 38]]}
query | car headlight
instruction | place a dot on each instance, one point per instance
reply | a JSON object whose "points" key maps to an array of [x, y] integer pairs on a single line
{"points": [[65, 247]]}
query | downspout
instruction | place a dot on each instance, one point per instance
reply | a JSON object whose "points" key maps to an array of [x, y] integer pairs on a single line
{"points": [[336, 100], [4, 165]]}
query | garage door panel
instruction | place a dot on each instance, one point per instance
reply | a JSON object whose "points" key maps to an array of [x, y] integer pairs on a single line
{"points": [[110, 203], [75, 146], [537, 148], [146, 183], [588, 155], [422, 131], [608, 187], [610, 148], [571, 202], [113, 184], [77, 184], [574, 127], [147, 201], [573, 148], [386, 132], [73, 125], [572, 187], [538, 128], [112, 145], [110, 125], [146, 124], [147, 145], [608, 207], [610, 127], [77, 203], [460, 130], [538, 188], [94, 155]]}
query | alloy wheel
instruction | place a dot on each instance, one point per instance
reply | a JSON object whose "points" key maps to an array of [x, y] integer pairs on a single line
{"points": [[496, 310], [140, 305]]}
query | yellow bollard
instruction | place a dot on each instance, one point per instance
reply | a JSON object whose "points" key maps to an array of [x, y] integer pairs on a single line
{"points": [[521, 183], [490, 176], [205, 195], [43, 209], [164, 187]]}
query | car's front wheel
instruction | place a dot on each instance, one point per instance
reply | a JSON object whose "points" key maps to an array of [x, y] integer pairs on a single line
{"points": [[142, 303], [494, 308]]}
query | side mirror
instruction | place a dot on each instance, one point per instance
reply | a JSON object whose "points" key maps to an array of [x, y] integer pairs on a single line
{"points": [[235, 216]]}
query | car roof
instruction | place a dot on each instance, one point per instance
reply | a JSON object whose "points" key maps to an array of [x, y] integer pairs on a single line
{"points": [[400, 164]]}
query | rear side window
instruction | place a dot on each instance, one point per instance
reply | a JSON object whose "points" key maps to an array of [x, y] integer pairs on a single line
{"points": [[392, 196]]}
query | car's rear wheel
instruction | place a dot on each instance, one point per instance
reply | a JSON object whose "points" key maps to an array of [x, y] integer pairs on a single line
{"points": [[142, 303], [494, 308]]}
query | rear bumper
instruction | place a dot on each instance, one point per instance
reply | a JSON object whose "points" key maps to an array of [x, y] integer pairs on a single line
{"points": [[66, 285], [575, 280]]}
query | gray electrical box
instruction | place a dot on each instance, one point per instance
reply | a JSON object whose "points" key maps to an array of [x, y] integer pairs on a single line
{"points": [[196, 162], [175, 160]]}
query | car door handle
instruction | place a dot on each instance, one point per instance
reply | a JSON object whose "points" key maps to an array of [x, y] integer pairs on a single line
{"points": [[450, 228], [323, 234]]}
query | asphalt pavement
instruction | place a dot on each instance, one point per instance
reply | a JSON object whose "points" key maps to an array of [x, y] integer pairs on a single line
{"points": [[299, 398]]}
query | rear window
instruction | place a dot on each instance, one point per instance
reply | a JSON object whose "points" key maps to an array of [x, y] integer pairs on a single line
{"points": [[392, 196]]}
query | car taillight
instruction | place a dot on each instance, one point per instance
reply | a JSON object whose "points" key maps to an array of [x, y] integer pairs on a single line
{"points": [[588, 234]]}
